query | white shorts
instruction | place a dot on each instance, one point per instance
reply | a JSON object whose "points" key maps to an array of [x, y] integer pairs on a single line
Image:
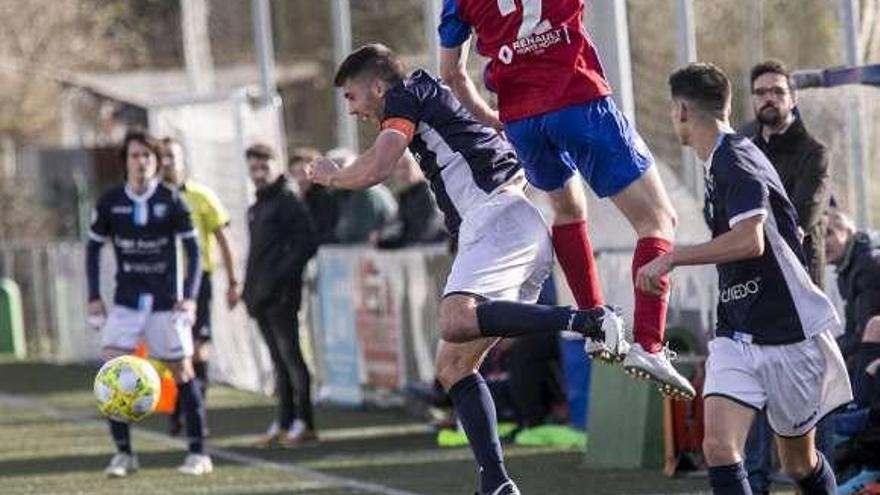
{"points": [[504, 251], [168, 337], [798, 384]]}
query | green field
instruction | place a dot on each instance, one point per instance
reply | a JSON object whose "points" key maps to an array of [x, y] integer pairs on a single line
{"points": [[53, 442]]}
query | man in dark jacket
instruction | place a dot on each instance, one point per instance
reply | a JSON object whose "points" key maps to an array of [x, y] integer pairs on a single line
{"points": [[801, 160], [418, 219], [282, 239], [802, 164], [856, 255]]}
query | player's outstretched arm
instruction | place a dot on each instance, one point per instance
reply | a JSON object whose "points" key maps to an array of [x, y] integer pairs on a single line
{"points": [[371, 168], [745, 240], [453, 70]]}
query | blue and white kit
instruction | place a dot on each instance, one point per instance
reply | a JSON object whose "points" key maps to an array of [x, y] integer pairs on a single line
{"points": [[145, 231], [773, 345]]}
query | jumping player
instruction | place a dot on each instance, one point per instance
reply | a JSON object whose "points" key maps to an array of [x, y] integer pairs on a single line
{"points": [[144, 219], [504, 248], [555, 106], [773, 348]]}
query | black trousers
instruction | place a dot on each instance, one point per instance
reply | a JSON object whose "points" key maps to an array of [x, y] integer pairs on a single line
{"points": [[279, 324]]}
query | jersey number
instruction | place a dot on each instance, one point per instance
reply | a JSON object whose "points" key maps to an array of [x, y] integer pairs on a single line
{"points": [[531, 19]]}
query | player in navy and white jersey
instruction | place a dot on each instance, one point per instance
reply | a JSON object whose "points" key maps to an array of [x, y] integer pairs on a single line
{"points": [[504, 248], [144, 220], [773, 347]]}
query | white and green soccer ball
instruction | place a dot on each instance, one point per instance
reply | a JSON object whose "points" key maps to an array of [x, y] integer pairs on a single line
{"points": [[127, 389]]}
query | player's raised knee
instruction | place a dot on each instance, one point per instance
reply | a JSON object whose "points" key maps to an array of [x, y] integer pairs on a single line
{"points": [[458, 319]]}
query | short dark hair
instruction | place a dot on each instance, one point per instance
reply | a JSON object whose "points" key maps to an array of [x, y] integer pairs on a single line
{"points": [[166, 143], [138, 136], [376, 60], [302, 154], [771, 66], [260, 151], [705, 85]]}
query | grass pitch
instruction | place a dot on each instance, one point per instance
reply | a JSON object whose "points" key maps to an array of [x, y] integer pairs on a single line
{"points": [[52, 441]]}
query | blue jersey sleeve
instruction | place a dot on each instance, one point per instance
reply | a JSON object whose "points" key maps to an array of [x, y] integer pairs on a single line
{"points": [[745, 197], [401, 102], [99, 229], [453, 29]]}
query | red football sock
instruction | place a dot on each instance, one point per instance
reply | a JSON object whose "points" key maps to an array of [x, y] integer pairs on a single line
{"points": [[575, 253], [650, 314]]}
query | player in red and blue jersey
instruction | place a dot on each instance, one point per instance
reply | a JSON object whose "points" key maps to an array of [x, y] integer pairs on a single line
{"points": [[554, 104]]}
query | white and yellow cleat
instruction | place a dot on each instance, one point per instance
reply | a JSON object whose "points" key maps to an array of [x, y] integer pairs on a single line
{"points": [[610, 343], [658, 368], [121, 465], [196, 465]]}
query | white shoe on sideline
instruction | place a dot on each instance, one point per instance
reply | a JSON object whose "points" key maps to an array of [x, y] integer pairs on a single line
{"points": [[121, 465], [196, 465]]}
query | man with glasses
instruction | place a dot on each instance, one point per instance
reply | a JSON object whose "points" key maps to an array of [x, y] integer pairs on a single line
{"points": [[802, 163]]}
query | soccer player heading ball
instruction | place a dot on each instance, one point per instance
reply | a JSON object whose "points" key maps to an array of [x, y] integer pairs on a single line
{"points": [[504, 248], [555, 106]]}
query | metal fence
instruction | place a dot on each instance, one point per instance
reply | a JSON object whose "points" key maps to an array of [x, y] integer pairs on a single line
{"points": [[53, 287]]}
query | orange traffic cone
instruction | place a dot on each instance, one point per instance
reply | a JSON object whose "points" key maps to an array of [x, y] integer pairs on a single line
{"points": [[167, 386]]}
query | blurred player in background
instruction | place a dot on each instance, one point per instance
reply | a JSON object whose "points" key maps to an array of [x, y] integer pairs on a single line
{"points": [[773, 347], [144, 220], [504, 249], [555, 105], [211, 222]]}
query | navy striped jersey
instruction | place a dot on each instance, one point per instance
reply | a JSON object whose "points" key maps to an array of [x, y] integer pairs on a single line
{"points": [[144, 230], [768, 300], [463, 160]]}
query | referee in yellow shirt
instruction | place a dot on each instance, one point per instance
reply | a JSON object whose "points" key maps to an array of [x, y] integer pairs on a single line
{"points": [[211, 221]]}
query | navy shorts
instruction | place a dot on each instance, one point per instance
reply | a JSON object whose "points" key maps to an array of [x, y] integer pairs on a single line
{"points": [[593, 138]]}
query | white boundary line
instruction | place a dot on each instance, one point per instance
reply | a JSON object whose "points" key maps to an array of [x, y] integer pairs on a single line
{"points": [[220, 453]]}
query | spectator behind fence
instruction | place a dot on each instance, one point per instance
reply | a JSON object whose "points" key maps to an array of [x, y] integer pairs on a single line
{"points": [[801, 161], [282, 239], [362, 214], [418, 219], [211, 222], [323, 203], [802, 164], [856, 255]]}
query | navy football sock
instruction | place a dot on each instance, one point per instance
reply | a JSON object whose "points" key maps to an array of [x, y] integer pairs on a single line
{"points": [[194, 413], [121, 433], [821, 481], [476, 411], [513, 319], [729, 480]]}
